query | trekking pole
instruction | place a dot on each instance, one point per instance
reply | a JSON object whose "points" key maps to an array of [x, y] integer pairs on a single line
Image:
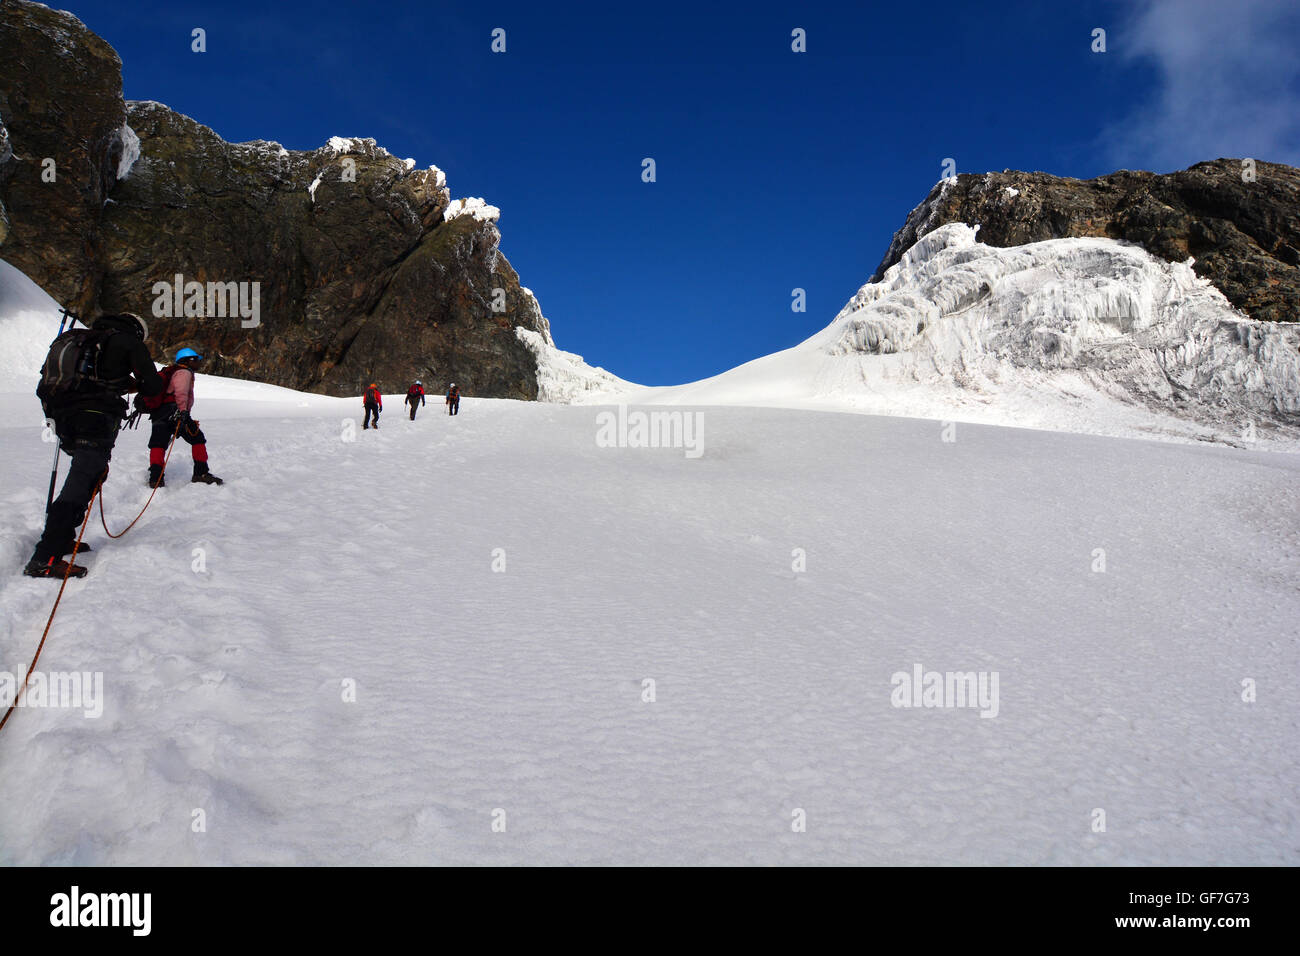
{"points": [[66, 321], [54, 475]]}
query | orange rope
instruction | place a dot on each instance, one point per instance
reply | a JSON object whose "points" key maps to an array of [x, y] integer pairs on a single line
{"points": [[104, 521], [98, 493], [46, 633]]}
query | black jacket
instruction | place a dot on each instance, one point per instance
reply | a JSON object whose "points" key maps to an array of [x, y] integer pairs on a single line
{"points": [[124, 360], [124, 354]]}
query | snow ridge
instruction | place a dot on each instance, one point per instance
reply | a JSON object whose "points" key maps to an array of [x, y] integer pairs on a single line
{"points": [[1132, 325], [564, 377]]}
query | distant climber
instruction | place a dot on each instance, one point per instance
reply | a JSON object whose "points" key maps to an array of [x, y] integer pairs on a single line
{"points": [[82, 383], [453, 399], [170, 414], [415, 397], [373, 400]]}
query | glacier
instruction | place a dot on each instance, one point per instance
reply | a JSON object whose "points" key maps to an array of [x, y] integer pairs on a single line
{"points": [[1082, 334]]}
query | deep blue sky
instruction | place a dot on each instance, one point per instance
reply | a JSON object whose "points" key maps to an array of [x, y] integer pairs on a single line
{"points": [[776, 170]]}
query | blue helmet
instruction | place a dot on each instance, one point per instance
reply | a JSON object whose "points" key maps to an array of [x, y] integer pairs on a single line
{"points": [[187, 354]]}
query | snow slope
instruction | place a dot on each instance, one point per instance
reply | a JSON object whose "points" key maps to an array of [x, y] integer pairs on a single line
{"points": [[1086, 335], [325, 560]]}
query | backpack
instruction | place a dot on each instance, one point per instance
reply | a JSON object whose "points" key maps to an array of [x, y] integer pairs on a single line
{"points": [[151, 403], [372, 395], [71, 369]]}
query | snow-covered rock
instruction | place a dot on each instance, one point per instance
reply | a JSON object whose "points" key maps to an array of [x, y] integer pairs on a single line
{"points": [[564, 377], [1132, 325], [471, 206], [130, 151]]}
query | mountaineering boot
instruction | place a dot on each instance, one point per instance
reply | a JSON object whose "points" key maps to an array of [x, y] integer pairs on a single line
{"points": [[203, 476], [156, 479], [53, 568]]}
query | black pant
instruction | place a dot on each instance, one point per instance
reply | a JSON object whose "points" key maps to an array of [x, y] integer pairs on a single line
{"points": [[164, 425], [371, 409], [414, 406], [453, 405], [88, 435]]}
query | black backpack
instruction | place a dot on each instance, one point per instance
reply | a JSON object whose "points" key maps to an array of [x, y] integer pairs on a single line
{"points": [[71, 370]]}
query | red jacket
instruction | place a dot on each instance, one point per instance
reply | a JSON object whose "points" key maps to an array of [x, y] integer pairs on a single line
{"points": [[372, 396]]}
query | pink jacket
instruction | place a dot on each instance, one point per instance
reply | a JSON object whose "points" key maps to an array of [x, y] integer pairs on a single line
{"points": [[181, 389]]}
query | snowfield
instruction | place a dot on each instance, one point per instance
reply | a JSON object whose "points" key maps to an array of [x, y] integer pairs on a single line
{"points": [[323, 561], [498, 638]]}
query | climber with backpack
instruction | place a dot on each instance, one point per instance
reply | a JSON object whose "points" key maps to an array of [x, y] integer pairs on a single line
{"points": [[373, 400], [85, 375], [415, 397], [453, 399], [170, 414]]}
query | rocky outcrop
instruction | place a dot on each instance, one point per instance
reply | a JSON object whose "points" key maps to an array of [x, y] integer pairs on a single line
{"points": [[62, 110], [1244, 235], [351, 265]]}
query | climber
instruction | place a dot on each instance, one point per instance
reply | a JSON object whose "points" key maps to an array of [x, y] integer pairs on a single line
{"points": [[170, 414], [82, 383], [453, 399], [415, 397], [373, 400]]}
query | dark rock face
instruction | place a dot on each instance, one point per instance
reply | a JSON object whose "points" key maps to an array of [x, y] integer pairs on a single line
{"points": [[60, 101], [1244, 236], [358, 276]]}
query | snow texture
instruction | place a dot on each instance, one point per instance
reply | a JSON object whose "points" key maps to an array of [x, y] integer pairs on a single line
{"points": [[29, 319], [472, 206], [315, 184]]}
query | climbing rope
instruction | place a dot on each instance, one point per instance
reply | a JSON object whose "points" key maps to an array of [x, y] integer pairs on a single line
{"points": [[104, 521], [50, 620], [98, 493]]}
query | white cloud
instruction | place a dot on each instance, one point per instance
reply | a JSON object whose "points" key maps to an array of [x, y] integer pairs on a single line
{"points": [[1228, 75]]}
